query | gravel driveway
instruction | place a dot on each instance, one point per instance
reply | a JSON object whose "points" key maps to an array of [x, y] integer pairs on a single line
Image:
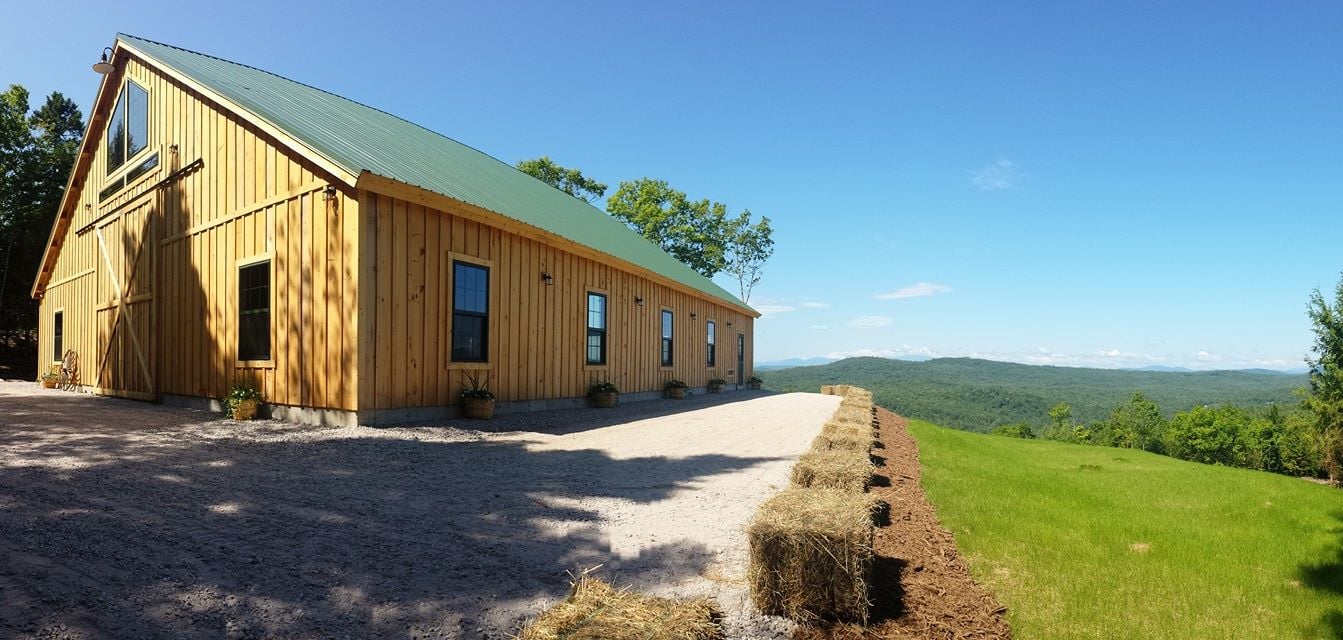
{"points": [[123, 519]]}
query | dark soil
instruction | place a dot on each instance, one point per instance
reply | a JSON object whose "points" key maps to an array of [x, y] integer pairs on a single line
{"points": [[921, 587]]}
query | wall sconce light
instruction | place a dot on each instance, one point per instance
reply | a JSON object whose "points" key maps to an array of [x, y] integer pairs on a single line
{"points": [[693, 315], [329, 192], [547, 278], [639, 301], [103, 66], [729, 324]]}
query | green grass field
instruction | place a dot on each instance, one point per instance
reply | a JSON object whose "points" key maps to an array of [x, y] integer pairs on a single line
{"points": [[1094, 542]]}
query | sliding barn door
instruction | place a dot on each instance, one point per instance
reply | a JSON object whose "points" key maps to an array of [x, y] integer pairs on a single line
{"points": [[125, 313]]}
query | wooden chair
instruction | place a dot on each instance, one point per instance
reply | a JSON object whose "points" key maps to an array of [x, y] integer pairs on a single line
{"points": [[69, 371]]}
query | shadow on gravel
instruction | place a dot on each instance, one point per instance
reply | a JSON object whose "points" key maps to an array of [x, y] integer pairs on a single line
{"points": [[1327, 575], [566, 421], [113, 528]]}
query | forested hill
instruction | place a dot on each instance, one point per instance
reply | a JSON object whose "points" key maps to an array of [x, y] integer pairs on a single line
{"points": [[981, 394]]}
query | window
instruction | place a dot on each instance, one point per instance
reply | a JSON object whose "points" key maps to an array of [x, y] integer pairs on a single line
{"points": [[470, 312], [128, 128], [596, 346], [711, 331], [666, 338], [254, 312], [58, 336]]}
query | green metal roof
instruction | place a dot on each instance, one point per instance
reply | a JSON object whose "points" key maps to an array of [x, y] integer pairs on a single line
{"points": [[360, 138]]}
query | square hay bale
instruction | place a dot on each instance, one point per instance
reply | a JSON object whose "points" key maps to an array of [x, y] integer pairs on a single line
{"points": [[844, 436], [839, 469], [597, 611], [828, 389], [811, 555], [854, 414]]}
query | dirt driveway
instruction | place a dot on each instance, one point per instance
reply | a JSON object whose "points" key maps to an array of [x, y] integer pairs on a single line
{"points": [[122, 519]]}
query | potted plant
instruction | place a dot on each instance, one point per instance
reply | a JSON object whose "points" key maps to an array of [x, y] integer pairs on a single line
{"points": [[242, 402], [675, 389], [716, 385], [50, 379], [477, 399], [604, 394], [755, 382]]}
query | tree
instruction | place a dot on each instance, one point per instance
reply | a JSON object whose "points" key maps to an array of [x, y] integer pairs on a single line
{"points": [[570, 181], [1136, 424], [37, 152], [1060, 423], [1325, 396], [748, 247], [695, 232]]}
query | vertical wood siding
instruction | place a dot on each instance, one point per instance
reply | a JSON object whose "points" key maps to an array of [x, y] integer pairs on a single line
{"points": [[537, 332], [250, 199]]}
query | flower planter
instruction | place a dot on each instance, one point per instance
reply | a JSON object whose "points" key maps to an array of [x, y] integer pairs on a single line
{"points": [[49, 383], [676, 393], [478, 408], [605, 400], [755, 386], [715, 388], [245, 410]]}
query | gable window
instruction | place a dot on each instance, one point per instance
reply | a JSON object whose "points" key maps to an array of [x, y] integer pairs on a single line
{"points": [[711, 336], [596, 345], [128, 128], [58, 336], [470, 312], [254, 312], [666, 337], [127, 135]]}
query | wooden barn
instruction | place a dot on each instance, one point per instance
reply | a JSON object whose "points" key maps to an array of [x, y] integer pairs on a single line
{"points": [[224, 224]]}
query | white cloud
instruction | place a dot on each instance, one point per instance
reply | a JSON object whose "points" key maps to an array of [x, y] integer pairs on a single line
{"points": [[1003, 174], [871, 322], [898, 352], [1205, 356], [815, 305], [916, 290], [773, 309]]}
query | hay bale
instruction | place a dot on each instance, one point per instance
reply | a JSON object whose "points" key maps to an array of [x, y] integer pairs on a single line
{"points": [[828, 389], [847, 469], [597, 611], [811, 555], [848, 437], [854, 415]]}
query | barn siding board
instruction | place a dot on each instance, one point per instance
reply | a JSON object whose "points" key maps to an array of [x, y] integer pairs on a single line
{"points": [[189, 325], [537, 331]]}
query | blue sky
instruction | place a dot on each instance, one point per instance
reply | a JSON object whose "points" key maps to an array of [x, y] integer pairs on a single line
{"points": [[1076, 183]]}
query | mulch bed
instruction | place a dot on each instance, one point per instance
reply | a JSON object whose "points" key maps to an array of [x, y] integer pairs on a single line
{"points": [[921, 587]]}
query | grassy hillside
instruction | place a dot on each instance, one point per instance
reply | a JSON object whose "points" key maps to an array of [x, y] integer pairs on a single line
{"points": [[1094, 542], [979, 394]]}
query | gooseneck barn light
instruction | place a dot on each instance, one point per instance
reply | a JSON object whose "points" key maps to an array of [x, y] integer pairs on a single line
{"points": [[103, 66]]}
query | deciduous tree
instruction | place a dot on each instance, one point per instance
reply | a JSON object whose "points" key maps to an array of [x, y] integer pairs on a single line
{"points": [[749, 246], [696, 232], [1325, 398], [570, 181]]}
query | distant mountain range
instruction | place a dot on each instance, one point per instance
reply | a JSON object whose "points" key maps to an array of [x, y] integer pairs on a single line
{"points": [[1161, 368], [981, 394]]}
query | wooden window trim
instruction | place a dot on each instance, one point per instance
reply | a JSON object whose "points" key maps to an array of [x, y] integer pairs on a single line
{"points": [[61, 312], [492, 302], [130, 161], [606, 331], [711, 359], [671, 352], [238, 266]]}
